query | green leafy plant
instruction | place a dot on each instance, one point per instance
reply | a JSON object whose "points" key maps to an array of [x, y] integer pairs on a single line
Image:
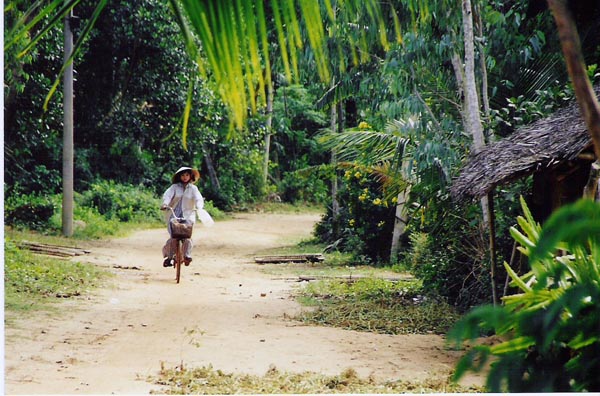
{"points": [[365, 223], [30, 210], [550, 329], [123, 202]]}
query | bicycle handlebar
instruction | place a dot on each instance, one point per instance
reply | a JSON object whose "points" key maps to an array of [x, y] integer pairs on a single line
{"points": [[173, 211]]}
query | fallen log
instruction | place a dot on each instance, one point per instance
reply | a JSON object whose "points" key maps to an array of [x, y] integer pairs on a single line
{"points": [[344, 278], [290, 258], [52, 250], [349, 278]]}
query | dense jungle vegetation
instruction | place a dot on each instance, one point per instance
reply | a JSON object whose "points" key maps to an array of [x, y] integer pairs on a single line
{"points": [[387, 129]]}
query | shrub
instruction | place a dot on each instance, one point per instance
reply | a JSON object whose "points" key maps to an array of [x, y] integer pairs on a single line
{"points": [[214, 212], [32, 211], [92, 225], [303, 187], [366, 219], [550, 328], [449, 253], [120, 201]]}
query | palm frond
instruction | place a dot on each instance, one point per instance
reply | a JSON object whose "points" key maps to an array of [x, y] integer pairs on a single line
{"points": [[233, 36], [364, 146], [32, 17]]}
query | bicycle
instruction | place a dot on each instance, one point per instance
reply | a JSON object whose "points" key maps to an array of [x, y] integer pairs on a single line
{"points": [[181, 229]]}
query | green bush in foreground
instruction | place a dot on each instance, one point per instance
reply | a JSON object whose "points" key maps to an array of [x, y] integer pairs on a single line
{"points": [[551, 329]]}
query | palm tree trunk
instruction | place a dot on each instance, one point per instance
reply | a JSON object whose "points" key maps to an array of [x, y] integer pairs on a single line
{"points": [[335, 205], [400, 222], [68, 151]]}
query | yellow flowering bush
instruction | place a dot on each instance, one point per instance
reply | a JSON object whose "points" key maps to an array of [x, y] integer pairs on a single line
{"points": [[365, 224]]}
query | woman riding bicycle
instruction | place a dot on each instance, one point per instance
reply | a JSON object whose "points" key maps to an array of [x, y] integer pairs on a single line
{"points": [[185, 199]]}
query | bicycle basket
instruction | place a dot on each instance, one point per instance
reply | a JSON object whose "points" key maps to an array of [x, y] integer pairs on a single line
{"points": [[181, 228]]}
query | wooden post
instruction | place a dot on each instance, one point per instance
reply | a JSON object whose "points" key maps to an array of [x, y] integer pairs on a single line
{"points": [[591, 188]]}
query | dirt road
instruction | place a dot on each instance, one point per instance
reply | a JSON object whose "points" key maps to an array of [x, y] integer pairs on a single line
{"points": [[225, 313]]}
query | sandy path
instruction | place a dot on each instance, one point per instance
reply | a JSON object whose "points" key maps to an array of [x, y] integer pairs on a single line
{"points": [[225, 312]]}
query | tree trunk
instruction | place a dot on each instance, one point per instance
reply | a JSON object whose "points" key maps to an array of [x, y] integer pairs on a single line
{"points": [[212, 173], [270, 94], [472, 120], [584, 92], [591, 188], [400, 222], [471, 104], [68, 151], [485, 100], [335, 205]]}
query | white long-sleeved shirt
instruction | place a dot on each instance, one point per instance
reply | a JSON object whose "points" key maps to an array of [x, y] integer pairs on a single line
{"points": [[190, 197]]}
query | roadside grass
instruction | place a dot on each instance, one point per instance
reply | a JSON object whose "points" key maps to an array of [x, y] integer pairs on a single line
{"points": [[375, 305], [341, 293], [33, 282], [281, 207], [206, 380]]}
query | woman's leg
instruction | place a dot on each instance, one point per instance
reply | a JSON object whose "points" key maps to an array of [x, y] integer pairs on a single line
{"points": [[168, 251], [187, 250]]}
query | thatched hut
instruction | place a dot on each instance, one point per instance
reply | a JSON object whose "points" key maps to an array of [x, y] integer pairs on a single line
{"points": [[556, 150]]}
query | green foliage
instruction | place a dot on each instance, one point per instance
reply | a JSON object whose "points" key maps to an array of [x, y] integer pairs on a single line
{"points": [[215, 213], [122, 202], [33, 211], [30, 280], [240, 177], [447, 251], [295, 154], [89, 224], [366, 219], [300, 187], [376, 305], [550, 327]]}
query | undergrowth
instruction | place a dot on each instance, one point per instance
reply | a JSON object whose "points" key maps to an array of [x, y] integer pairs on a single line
{"points": [[376, 305], [206, 380], [32, 281]]}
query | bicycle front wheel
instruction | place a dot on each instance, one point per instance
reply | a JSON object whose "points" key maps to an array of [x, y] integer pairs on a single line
{"points": [[178, 260]]}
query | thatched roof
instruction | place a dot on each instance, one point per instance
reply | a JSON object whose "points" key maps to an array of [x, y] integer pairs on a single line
{"points": [[535, 147]]}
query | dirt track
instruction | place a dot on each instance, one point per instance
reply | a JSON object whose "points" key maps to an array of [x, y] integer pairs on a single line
{"points": [[225, 312]]}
